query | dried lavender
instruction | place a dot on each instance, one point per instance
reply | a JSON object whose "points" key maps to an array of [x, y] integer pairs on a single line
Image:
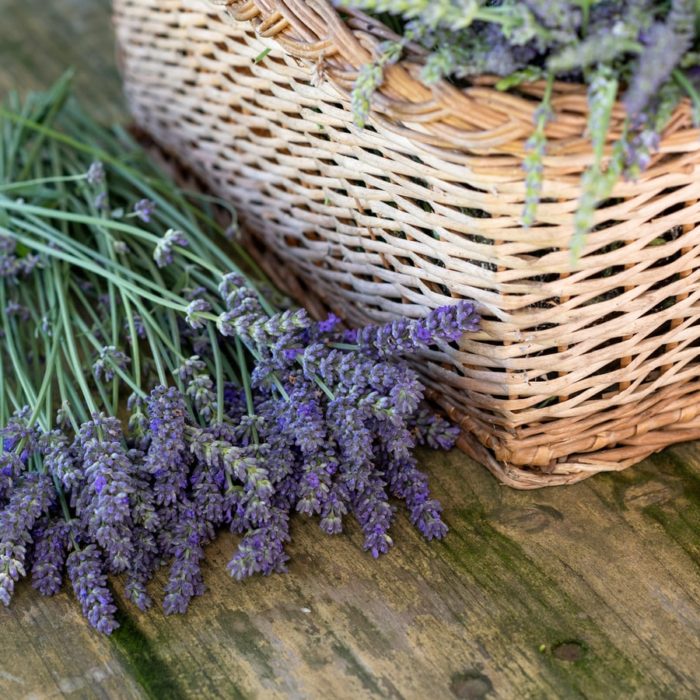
{"points": [[167, 456], [31, 499], [50, 553], [86, 572], [104, 504], [173, 399]]}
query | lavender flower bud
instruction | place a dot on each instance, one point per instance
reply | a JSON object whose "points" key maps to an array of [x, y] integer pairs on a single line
{"points": [[100, 202], [144, 210], [138, 421], [96, 173], [194, 309], [201, 390], [28, 502], [86, 572], [109, 359], [163, 253], [50, 557]]}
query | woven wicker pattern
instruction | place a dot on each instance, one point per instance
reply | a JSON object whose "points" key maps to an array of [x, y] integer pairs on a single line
{"points": [[576, 370]]}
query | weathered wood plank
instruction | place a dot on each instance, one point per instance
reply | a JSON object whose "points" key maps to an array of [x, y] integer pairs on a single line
{"points": [[566, 592], [587, 591], [45, 653], [41, 40]]}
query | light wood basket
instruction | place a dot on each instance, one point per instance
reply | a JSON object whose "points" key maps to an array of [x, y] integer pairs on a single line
{"points": [[577, 370]]}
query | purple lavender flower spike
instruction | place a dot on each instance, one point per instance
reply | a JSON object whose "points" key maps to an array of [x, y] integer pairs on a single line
{"points": [[307, 421], [315, 482], [104, 503], [262, 550], [194, 310], [142, 567], [187, 548], [408, 483], [282, 459], [433, 430], [335, 507], [144, 210], [404, 336], [201, 390], [60, 460], [86, 572], [163, 253], [265, 331], [28, 502], [167, 456], [207, 493], [257, 493], [374, 514], [354, 439], [50, 555]]}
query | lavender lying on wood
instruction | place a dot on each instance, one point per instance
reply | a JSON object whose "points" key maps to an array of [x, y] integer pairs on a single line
{"points": [[150, 395]]}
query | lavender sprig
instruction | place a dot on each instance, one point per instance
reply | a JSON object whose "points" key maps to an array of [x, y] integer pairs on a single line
{"points": [[31, 499], [50, 556], [86, 572]]}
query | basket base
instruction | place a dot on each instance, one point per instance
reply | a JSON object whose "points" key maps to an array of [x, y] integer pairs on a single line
{"points": [[576, 468]]}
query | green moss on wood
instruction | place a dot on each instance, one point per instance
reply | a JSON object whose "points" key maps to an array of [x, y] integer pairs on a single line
{"points": [[138, 655], [533, 614]]}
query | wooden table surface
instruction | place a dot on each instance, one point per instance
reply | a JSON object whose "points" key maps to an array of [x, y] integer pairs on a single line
{"points": [[586, 591]]}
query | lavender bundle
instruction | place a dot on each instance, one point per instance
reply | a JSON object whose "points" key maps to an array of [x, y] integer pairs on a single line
{"points": [[646, 52], [150, 394]]}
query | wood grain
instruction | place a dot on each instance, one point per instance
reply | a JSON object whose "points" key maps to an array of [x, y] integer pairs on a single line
{"points": [[584, 591], [568, 592]]}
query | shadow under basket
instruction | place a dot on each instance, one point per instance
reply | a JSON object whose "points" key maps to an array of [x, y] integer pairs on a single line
{"points": [[576, 370]]}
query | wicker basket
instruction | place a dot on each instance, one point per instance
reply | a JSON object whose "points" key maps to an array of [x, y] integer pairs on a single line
{"points": [[576, 371]]}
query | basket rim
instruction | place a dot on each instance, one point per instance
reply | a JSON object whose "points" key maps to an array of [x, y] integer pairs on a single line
{"points": [[477, 118]]}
